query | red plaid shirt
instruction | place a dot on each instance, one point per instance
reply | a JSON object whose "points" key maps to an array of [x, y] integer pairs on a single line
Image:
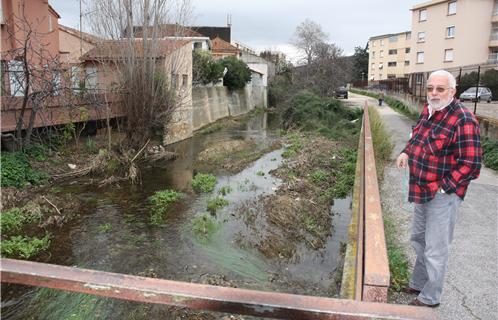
{"points": [[443, 152]]}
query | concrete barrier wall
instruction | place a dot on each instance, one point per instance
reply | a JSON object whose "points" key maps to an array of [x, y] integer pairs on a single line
{"points": [[213, 103], [489, 127]]}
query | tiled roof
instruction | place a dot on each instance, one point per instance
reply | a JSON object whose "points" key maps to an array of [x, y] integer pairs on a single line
{"points": [[115, 49], [86, 36], [221, 45]]}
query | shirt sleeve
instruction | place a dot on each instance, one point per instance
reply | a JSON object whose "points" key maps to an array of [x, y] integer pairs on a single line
{"points": [[467, 154]]}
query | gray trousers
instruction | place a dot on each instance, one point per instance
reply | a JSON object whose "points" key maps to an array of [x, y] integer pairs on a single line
{"points": [[432, 233]]}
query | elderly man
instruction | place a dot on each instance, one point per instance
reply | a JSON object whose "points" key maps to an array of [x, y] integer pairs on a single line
{"points": [[443, 155]]}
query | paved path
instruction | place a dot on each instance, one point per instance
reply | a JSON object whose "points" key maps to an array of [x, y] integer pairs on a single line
{"points": [[471, 287]]}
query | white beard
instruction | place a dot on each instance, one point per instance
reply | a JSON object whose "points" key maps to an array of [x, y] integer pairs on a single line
{"points": [[437, 104]]}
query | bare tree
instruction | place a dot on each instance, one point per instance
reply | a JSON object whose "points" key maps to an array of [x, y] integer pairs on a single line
{"points": [[142, 65], [34, 74], [308, 37]]}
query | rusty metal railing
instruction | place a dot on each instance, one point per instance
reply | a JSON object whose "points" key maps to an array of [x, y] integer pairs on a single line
{"points": [[370, 279]]}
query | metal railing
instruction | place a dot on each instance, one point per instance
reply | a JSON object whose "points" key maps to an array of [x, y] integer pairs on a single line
{"points": [[370, 277]]}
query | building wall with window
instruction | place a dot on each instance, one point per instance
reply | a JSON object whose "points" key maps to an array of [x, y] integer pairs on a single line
{"points": [[450, 34], [389, 56]]}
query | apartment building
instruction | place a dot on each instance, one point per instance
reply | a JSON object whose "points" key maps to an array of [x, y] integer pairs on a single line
{"points": [[449, 34], [389, 56]]}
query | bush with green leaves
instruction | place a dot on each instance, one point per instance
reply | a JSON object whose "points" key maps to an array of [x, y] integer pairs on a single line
{"points": [[17, 171], [159, 203], [204, 226], [203, 182], [23, 246], [238, 73], [213, 204], [490, 153], [205, 69]]}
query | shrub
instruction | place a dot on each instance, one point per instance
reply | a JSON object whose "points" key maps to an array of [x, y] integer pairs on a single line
{"points": [[490, 153], [381, 141], [159, 203], [91, 147], [225, 190], [216, 203], [205, 69], [17, 171], [319, 175], [203, 182], [238, 73]]}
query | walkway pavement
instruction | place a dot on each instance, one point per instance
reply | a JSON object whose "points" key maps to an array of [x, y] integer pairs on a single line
{"points": [[471, 287]]}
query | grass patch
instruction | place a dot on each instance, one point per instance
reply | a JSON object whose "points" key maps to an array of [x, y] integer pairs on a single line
{"points": [[225, 190], [15, 219], [398, 263], [490, 153], [319, 175], [204, 227], [24, 247], [260, 173], [203, 182], [159, 203], [392, 102], [213, 204], [381, 141]]}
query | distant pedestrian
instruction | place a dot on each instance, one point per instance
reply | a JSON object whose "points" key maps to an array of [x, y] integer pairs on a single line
{"points": [[381, 98], [443, 156]]}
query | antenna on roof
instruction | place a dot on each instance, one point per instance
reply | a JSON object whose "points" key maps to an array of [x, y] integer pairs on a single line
{"points": [[229, 20]]}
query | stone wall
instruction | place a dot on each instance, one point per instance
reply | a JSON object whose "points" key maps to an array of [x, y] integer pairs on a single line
{"points": [[213, 103], [489, 127]]}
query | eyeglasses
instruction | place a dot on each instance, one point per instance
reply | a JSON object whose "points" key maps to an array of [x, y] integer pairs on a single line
{"points": [[438, 89]]}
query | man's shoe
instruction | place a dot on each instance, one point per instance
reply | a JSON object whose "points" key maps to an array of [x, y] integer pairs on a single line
{"points": [[410, 290], [418, 303]]}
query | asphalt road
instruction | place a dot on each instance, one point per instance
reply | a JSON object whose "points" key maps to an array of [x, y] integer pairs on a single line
{"points": [[471, 286]]}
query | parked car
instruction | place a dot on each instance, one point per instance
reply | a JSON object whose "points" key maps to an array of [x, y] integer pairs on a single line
{"points": [[341, 92], [484, 94]]}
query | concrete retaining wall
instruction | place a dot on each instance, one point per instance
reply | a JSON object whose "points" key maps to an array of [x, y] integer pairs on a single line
{"points": [[213, 103], [489, 127]]}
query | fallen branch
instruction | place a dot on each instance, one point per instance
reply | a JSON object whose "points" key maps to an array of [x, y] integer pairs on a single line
{"points": [[140, 151], [53, 205]]}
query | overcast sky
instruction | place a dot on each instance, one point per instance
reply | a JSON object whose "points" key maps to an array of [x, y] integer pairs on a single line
{"points": [[270, 24]]}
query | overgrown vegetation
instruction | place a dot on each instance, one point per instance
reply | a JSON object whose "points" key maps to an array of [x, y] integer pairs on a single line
{"points": [[205, 69], [160, 202], [203, 182], [392, 102], [381, 141], [24, 247], [490, 153], [344, 172], [308, 112], [398, 262], [225, 190], [17, 171]]}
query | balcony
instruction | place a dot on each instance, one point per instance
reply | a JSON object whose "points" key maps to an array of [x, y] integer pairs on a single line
{"points": [[493, 39]]}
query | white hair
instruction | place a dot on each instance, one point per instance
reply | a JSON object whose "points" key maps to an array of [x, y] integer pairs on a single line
{"points": [[444, 73]]}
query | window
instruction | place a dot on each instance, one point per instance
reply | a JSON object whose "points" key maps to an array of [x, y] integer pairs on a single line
{"points": [[450, 32], [381, 42], [420, 57], [381, 66], [91, 77], [391, 64], [421, 36], [391, 76], [373, 66], [408, 35], [448, 55], [495, 9], [494, 32], [373, 54], [16, 78], [407, 63], [407, 50], [50, 23], [393, 39], [393, 51], [382, 53], [373, 43], [56, 83], [184, 80], [75, 78], [422, 15], [2, 21], [452, 8], [197, 45], [174, 80]]}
